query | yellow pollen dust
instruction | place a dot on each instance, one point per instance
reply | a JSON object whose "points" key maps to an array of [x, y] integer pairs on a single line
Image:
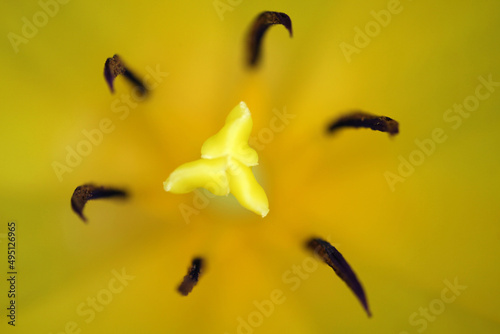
{"points": [[225, 165]]}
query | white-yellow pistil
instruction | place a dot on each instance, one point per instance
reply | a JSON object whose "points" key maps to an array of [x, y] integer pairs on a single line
{"points": [[225, 165]]}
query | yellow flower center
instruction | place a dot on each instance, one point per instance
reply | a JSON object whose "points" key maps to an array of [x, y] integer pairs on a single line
{"points": [[225, 165]]}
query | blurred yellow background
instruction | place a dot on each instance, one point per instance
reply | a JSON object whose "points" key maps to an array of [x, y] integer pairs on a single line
{"points": [[407, 241]]}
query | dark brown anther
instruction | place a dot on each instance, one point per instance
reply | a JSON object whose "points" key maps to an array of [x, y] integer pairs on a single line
{"points": [[259, 27], [332, 257], [87, 192], [114, 67], [192, 277], [361, 119]]}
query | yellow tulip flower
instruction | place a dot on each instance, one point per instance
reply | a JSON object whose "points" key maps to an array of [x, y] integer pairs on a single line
{"points": [[416, 215]]}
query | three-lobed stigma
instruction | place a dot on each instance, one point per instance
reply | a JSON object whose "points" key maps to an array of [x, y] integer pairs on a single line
{"points": [[225, 165]]}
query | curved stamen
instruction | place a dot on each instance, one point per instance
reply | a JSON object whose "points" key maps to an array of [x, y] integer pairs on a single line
{"points": [[259, 27]]}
